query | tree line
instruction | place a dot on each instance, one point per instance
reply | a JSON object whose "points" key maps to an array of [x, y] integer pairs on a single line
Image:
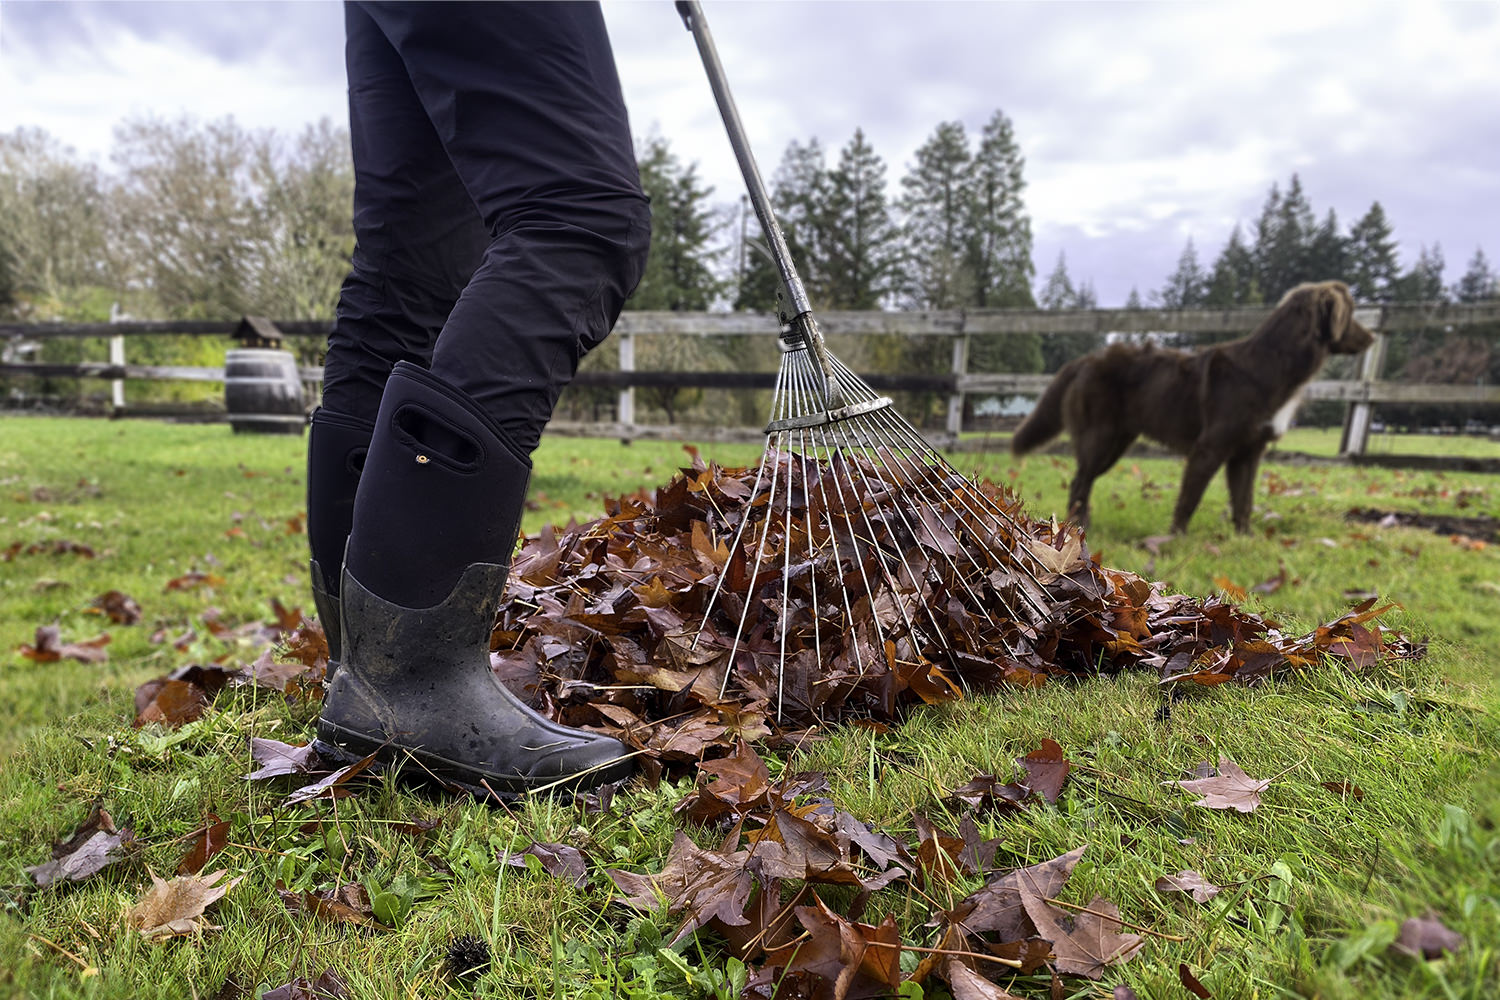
{"points": [[210, 220]]}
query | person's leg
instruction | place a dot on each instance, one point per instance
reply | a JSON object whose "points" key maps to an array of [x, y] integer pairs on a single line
{"points": [[418, 238], [525, 103]]}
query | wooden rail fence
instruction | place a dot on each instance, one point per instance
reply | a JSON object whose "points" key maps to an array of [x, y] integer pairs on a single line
{"points": [[1362, 392]]}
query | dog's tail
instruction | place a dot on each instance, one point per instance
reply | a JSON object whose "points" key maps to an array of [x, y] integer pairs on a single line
{"points": [[1046, 421]]}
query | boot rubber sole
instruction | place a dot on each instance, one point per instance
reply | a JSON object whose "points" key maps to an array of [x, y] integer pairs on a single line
{"points": [[417, 766]]}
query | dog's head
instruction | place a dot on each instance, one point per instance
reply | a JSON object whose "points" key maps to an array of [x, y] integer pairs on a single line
{"points": [[1331, 310]]}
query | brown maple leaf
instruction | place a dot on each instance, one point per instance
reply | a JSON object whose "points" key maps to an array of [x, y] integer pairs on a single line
{"points": [[998, 906], [175, 908], [1083, 943], [1046, 769], [95, 844], [1232, 788]]}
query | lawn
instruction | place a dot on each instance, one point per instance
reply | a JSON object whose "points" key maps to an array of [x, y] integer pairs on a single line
{"points": [[204, 528]]}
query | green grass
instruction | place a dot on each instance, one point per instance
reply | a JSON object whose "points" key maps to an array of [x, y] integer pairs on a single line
{"points": [[1323, 878]]}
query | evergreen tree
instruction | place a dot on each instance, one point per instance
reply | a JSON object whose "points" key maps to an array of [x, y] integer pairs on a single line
{"points": [[1327, 252], [799, 195], [1060, 293], [1478, 283], [1186, 286], [935, 208], [999, 241], [1133, 300], [1283, 240], [1372, 269], [1233, 281], [859, 235], [1424, 282], [678, 276]]}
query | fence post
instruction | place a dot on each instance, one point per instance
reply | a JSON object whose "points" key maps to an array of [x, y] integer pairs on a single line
{"points": [[625, 409], [960, 369], [116, 357], [1361, 413]]}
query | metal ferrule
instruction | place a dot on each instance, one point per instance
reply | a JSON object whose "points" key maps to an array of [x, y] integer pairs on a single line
{"points": [[826, 417]]}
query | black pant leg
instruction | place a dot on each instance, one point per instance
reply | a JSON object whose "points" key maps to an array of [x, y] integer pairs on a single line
{"points": [[525, 101], [418, 234]]}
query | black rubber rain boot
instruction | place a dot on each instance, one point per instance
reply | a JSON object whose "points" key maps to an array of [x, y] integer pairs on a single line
{"points": [[336, 448], [435, 521]]}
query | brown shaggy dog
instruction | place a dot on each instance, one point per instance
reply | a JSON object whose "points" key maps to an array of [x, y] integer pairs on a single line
{"points": [[1219, 406]]}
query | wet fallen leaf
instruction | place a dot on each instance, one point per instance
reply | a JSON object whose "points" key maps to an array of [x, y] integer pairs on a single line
{"points": [[119, 607], [174, 908], [1232, 788], [1190, 882], [208, 840], [1190, 981], [1084, 943], [95, 844], [559, 860], [49, 647], [349, 904], [328, 986]]}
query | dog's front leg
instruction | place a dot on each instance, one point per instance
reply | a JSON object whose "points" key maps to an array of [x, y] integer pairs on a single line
{"points": [[1204, 460], [1239, 471]]}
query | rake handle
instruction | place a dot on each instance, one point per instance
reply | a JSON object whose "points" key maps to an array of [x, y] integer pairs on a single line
{"points": [[800, 325]]}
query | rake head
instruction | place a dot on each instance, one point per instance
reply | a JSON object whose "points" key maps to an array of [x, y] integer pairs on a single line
{"points": [[862, 549]]}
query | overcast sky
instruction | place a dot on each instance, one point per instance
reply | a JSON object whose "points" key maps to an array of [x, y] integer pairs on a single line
{"points": [[1142, 123]]}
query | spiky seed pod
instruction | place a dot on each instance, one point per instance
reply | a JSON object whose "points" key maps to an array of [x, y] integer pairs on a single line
{"points": [[468, 957]]}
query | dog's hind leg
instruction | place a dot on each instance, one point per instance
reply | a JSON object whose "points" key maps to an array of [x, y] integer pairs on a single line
{"points": [[1239, 473], [1097, 450]]}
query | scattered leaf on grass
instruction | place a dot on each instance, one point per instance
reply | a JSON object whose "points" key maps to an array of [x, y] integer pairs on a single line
{"points": [[1426, 937], [119, 607], [1232, 788], [1083, 943], [1190, 882], [277, 758], [998, 906], [194, 580], [558, 860], [95, 844], [204, 843], [1046, 769], [332, 786], [349, 904], [328, 986], [970, 985], [1344, 789], [1190, 981], [49, 647], [171, 703], [175, 908]]}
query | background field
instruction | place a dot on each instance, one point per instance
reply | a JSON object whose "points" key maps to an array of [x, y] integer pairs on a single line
{"points": [[1322, 881]]}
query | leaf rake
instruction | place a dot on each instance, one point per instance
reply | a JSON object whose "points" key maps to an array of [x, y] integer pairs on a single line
{"points": [[861, 547]]}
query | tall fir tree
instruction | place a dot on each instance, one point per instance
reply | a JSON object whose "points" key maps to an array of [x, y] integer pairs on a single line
{"points": [[679, 273], [1372, 267], [934, 205], [1283, 239], [1133, 300], [1059, 292], [1187, 285], [1424, 281], [1233, 280], [859, 235], [1479, 283], [999, 240], [1327, 252], [799, 195]]}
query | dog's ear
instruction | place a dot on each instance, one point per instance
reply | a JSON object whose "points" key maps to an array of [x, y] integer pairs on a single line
{"points": [[1335, 307]]}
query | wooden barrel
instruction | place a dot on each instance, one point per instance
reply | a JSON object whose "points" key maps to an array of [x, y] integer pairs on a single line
{"points": [[263, 392]]}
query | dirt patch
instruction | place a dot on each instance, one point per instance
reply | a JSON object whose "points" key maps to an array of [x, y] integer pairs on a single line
{"points": [[1487, 528]]}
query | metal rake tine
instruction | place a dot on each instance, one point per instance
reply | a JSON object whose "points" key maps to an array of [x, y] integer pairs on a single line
{"points": [[873, 544], [838, 559], [740, 531], [990, 510], [839, 428]]}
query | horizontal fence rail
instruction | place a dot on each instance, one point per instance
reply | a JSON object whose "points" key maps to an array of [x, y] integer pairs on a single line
{"points": [[1361, 392]]}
